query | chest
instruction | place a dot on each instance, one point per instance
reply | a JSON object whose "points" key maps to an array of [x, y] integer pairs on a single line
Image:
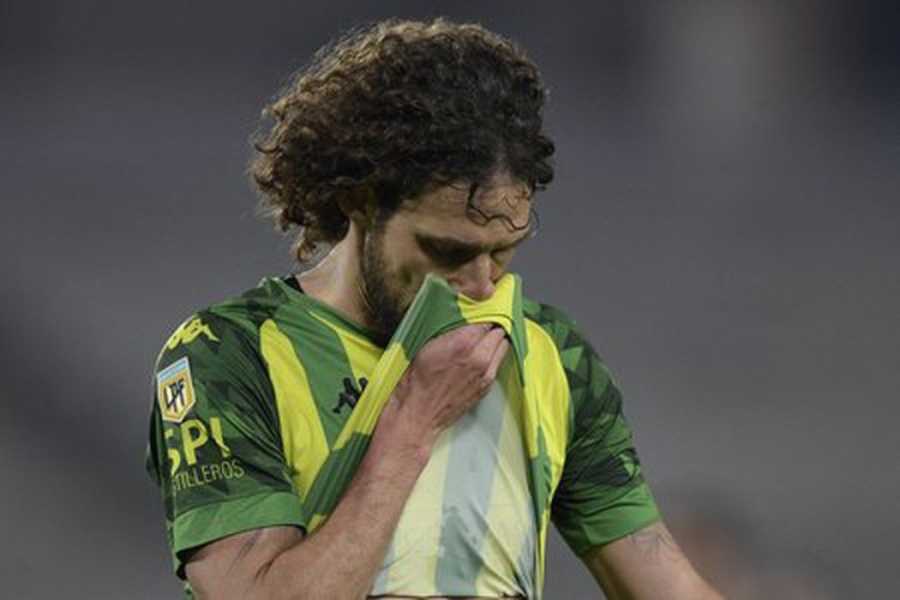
{"points": [[468, 528]]}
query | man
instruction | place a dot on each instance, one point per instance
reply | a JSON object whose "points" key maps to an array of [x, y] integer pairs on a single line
{"points": [[411, 151]]}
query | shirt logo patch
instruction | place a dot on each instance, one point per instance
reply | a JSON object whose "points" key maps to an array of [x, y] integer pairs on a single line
{"points": [[175, 390], [350, 395], [189, 331]]}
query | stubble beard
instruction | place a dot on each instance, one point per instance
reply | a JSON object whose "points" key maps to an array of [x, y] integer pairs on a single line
{"points": [[384, 306]]}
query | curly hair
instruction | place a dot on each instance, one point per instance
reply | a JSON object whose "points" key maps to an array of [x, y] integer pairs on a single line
{"points": [[395, 108]]}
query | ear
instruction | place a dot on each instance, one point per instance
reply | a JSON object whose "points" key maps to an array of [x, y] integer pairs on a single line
{"points": [[360, 206]]}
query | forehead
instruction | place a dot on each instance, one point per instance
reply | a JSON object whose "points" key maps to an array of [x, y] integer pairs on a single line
{"points": [[499, 209]]}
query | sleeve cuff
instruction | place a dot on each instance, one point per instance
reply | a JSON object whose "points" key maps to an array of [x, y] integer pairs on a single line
{"points": [[588, 529], [211, 522]]}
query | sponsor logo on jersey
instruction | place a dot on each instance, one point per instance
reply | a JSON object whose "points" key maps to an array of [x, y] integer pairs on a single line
{"points": [[193, 457], [189, 331], [206, 474], [175, 390]]}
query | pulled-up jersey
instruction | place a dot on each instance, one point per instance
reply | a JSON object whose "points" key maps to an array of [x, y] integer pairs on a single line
{"points": [[252, 396]]}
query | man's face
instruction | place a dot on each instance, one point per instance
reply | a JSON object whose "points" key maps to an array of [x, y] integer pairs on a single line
{"points": [[467, 242]]}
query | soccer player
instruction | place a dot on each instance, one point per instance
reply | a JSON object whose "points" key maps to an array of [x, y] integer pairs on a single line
{"points": [[397, 420]]}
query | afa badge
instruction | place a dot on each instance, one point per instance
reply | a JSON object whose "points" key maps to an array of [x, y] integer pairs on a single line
{"points": [[175, 390]]}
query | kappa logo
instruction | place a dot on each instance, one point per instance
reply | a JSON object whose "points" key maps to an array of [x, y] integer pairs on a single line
{"points": [[350, 395], [189, 331], [175, 390]]}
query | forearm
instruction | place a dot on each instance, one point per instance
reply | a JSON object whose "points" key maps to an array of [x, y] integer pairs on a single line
{"points": [[645, 565], [340, 560]]}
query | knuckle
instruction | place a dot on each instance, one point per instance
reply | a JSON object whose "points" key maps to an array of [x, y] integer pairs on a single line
{"points": [[480, 362], [482, 352]]}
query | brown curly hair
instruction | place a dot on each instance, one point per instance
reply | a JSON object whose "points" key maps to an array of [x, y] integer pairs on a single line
{"points": [[395, 108]]}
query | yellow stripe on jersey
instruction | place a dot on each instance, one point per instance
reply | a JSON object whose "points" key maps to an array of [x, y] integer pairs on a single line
{"points": [[302, 434], [362, 354], [553, 417], [546, 420]]}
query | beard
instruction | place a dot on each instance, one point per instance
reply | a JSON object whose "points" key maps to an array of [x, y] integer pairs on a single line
{"points": [[383, 302]]}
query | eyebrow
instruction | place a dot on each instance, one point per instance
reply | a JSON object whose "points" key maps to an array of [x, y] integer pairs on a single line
{"points": [[451, 243]]}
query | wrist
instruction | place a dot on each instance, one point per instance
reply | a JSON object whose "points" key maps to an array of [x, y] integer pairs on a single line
{"points": [[403, 434]]}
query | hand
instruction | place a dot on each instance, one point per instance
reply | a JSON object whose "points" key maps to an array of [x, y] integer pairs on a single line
{"points": [[448, 376]]}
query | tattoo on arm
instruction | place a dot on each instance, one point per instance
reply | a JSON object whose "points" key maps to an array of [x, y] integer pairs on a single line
{"points": [[247, 546], [656, 544]]}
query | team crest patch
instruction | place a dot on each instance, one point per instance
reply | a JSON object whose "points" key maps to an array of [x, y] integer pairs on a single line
{"points": [[175, 390]]}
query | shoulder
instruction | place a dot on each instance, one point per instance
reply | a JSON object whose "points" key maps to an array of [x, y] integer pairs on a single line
{"points": [[212, 360], [587, 373], [551, 319], [559, 326], [225, 329]]}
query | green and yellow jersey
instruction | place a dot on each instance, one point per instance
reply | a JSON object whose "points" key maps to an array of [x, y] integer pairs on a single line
{"points": [[264, 404]]}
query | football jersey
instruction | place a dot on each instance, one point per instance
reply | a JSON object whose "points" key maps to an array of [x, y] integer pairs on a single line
{"points": [[254, 398]]}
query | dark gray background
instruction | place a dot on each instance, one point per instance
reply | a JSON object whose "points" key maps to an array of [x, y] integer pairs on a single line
{"points": [[724, 225]]}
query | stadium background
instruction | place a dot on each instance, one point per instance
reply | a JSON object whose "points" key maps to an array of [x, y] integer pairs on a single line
{"points": [[724, 225]]}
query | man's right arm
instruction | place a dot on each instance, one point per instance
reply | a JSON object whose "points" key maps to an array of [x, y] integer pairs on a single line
{"points": [[340, 560]]}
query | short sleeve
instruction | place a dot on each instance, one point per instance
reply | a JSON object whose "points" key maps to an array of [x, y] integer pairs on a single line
{"points": [[215, 446], [602, 495]]}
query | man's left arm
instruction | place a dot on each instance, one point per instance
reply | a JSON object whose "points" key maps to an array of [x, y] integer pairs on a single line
{"points": [[602, 506], [646, 564]]}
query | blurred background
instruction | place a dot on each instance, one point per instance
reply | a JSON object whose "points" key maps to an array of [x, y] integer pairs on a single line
{"points": [[725, 226]]}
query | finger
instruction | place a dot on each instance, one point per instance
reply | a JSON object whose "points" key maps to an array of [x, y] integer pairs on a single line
{"points": [[497, 358], [487, 346], [495, 335], [489, 340], [481, 330], [470, 334], [467, 338], [460, 338], [476, 335]]}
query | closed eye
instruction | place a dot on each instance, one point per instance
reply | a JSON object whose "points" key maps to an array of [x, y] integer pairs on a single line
{"points": [[448, 253]]}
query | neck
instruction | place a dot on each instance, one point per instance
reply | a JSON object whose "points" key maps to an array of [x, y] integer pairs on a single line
{"points": [[337, 279]]}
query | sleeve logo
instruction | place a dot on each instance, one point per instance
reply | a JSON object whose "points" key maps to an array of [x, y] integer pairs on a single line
{"points": [[175, 390], [189, 331]]}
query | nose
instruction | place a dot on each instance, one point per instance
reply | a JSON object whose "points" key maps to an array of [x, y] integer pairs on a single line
{"points": [[476, 278]]}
